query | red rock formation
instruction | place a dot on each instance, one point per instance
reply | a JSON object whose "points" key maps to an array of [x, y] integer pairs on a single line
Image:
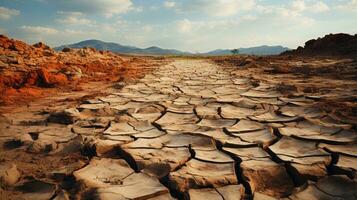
{"points": [[27, 66]]}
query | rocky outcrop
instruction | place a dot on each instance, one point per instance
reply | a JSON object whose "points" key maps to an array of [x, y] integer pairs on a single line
{"points": [[25, 68], [330, 45]]}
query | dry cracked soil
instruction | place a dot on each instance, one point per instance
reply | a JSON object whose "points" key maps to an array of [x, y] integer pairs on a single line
{"points": [[189, 130]]}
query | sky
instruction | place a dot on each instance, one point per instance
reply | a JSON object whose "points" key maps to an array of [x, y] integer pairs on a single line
{"points": [[188, 25]]}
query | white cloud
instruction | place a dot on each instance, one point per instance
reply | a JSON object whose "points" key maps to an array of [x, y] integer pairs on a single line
{"points": [[139, 9], [221, 8], [287, 17], [75, 21], [298, 5], [353, 3], [72, 32], [249, 17], [120, 22], [154, 7], [320, 7], [39, 30], [78, 14], [74, 18], [54, 37], [147, 28], [7, 13], [204, 24], [184, 26], [107, 8], [312, 6], [297, 8], [293, 13], [349, 6], [198, 27], [293, 20], [169, 4], [108, 28]]}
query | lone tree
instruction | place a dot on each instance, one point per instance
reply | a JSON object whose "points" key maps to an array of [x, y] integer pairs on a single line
{"points": [[235, 51]]}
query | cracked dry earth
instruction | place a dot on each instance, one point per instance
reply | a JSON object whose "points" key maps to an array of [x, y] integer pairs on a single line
{"points": [[190, 130]]}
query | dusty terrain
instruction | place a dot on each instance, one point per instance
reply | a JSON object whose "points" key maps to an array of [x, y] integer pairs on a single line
{"points": [[28, 72], [220, 128], [330, 81]]}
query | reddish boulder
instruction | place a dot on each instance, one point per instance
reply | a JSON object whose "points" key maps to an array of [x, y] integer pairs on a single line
{"points": [[66, 49], [48, 79], [41, 45]]}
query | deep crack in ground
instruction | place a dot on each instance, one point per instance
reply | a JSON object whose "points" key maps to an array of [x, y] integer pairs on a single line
{"points": [[193, 130]]}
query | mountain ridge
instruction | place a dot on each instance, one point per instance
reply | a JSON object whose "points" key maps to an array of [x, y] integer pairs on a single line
{"points": [[257, 50], [119, 48], [155, 50]]}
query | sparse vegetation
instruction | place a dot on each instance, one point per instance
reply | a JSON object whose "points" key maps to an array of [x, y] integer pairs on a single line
{"points": [[235, 51]]}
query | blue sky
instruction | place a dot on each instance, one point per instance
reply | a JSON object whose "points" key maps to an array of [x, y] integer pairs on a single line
{"points": [[190, 25]]}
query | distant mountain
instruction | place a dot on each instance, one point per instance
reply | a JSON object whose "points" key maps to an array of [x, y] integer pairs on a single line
{"points": [[339, 44], [260, 50], [118, 48], [218, 52], [159, 51]]}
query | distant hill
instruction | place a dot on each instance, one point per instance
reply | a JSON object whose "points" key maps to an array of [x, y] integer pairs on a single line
{"points": [[340, 44], [259, 50], [118, 48]]}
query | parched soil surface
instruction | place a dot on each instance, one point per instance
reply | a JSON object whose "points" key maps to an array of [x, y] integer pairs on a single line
{"points": [[331, 81], [29, 72], [191, 129]]}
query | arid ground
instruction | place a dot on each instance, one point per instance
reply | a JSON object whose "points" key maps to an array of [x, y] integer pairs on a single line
{"points": [[225, 128]]}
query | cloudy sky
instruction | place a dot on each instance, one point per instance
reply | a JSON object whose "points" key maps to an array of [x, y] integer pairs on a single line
{"points": [[191, 25]]}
